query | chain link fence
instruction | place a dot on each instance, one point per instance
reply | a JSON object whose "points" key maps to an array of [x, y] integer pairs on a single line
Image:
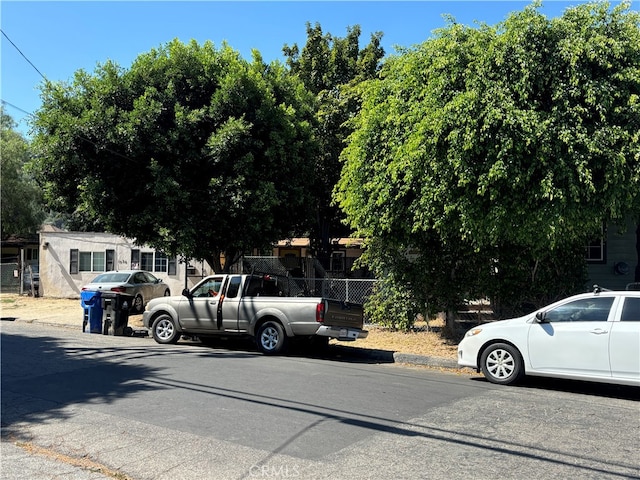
{"points": [[352, 290], [292, 270]]}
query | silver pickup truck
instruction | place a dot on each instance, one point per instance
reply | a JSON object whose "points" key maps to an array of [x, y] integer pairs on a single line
{"points": [[251, 305]]}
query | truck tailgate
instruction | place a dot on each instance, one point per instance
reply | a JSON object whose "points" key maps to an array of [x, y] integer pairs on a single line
{"points": [[343, 314]]}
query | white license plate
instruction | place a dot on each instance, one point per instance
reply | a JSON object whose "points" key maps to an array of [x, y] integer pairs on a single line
{"points": [[348, 334]]}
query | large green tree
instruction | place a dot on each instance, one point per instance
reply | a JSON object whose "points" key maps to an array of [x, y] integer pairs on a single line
{"points": [[21, 203], [331, 67], [192, 150], [496, 153]]}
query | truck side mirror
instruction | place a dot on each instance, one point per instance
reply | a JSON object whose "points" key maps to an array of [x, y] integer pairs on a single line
{"points": [[186, 293]]}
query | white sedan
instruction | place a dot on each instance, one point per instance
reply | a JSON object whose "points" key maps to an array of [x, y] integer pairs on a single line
{"points": [[592, 336]]}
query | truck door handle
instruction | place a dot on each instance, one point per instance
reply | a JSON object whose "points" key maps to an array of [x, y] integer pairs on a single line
{"points": [[599, 331]]}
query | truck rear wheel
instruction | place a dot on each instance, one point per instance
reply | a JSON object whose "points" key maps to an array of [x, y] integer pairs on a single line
{"points": [[271, 338]]}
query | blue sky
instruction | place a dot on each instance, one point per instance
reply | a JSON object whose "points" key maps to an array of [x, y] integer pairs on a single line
{"points": [[59, 38]]}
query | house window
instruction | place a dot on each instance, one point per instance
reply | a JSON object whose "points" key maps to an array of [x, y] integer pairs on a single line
{"points": [[173, 266], [146, 261], [337, 262], [157, 262], [111, 260], [91, 261], [160, 265], [73, 261], [85, 261], [596, 250], [98, 261]]}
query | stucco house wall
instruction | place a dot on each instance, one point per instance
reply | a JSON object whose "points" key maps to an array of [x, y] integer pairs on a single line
{"points": [[60, 276]]}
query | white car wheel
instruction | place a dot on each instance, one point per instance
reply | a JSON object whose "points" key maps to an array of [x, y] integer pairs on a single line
{"points": [[501, 363]]}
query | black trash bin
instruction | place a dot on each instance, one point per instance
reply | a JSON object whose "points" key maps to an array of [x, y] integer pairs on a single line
{"points": [[92, 318], [115, 313]]}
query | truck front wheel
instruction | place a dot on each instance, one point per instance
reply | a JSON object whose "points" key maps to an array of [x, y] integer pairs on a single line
{"points": [[164, 330], [271, 338]]}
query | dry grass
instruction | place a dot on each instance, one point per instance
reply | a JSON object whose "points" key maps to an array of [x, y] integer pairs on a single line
{"points": [[421, 341], [29, 307], [83, 462]]}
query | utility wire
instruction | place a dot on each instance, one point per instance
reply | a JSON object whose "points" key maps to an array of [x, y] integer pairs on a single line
{"points": [[24, 56], [81, 137], [17, 108]]}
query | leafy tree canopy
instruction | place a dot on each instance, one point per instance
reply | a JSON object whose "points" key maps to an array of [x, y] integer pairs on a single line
{"points": [[21, 202], [192, 150], [497, 153], [331, 67]]}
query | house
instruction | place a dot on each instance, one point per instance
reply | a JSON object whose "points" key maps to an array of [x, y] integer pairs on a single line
{"points": [[69, 260], [613, 260], [344, 253]]}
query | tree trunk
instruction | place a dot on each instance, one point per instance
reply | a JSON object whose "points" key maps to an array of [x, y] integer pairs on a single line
{"points": [[215, 263], [450, 320]]}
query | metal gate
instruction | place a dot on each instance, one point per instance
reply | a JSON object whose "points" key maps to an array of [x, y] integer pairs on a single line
{"points": [[9, 278]]}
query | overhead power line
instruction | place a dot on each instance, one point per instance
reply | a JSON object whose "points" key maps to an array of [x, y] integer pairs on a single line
{"points": [[47, 80], [4, 102], [24, 56]]}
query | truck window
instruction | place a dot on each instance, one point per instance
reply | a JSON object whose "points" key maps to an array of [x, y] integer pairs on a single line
{"points": [[264, 287], [271, 289], [234, 287], [254, 286], [209, 289]]}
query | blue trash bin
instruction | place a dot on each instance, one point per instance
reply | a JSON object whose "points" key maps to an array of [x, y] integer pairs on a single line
{"points": [[90, 301]]}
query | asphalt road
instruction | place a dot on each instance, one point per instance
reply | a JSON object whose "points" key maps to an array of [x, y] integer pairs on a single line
{"points": [[85, 406]]}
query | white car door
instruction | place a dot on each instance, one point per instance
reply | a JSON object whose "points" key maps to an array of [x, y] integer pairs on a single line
{"points": [[625, 341], [573, 339]]}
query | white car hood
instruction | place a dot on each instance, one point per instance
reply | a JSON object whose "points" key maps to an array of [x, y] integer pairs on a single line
{"points": [[509, 322]]}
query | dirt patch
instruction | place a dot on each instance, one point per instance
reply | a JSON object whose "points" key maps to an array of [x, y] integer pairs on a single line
{"points": [[26, 307], [56, 310], [422, 341]]}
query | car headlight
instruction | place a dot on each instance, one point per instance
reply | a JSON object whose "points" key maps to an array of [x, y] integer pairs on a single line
{"points": [[473, 332]]}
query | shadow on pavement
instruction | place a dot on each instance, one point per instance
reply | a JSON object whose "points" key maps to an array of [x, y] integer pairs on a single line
{"points": [[41, 376], [339, 353], [622, 392]]}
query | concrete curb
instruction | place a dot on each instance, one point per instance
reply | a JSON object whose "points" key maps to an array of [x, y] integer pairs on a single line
{"points": [[425, 360], [387, 356]]}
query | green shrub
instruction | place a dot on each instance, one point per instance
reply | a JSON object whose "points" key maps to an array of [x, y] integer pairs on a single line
{"points": [[392, 306]]}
